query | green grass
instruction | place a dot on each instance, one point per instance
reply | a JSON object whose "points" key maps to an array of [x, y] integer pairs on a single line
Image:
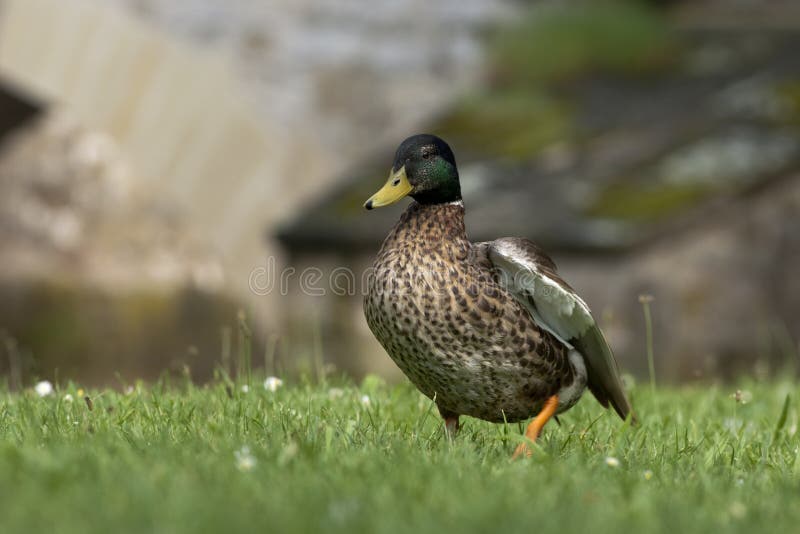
{"points": [[163, 459]]}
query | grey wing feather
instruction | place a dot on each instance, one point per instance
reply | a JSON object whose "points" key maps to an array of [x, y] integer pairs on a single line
{"points": [[530, 275]]}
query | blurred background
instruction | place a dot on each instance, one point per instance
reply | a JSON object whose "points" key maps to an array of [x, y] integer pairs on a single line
{"points": [[181, 181]]}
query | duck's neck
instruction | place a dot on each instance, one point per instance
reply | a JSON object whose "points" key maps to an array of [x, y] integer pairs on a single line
{"points": [[432, 223]]}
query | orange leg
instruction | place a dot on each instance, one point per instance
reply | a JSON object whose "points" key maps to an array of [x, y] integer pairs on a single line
{"points": [[451, 426], [533, 430]]}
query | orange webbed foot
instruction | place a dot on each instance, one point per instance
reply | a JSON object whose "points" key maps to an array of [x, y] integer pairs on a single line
{"points": [[535, 427]]}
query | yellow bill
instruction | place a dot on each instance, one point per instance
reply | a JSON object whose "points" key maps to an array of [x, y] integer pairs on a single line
{"points": [[396, 187]]}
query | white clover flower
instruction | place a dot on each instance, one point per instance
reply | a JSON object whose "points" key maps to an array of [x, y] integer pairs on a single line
{"points": [[742, 397], [68, 398], [272, 383], [342, 510], [244, 460], [732, 425], [288, 452], [335, 393], [365, 401], [737, 510], [44, 388], [612, 462], [245, 388]]}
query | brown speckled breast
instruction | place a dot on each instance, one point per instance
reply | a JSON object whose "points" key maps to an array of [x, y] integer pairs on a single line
{"points": [[434, 305]]}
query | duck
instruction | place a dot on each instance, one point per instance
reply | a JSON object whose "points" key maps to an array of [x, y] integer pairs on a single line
{"points": [[490, 329]]}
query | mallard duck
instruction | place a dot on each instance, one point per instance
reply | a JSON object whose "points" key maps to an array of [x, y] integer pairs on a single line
{"points": [[487, 330]]}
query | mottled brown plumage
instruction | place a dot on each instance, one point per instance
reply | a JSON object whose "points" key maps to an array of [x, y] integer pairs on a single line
{"points": [[436, 307]]}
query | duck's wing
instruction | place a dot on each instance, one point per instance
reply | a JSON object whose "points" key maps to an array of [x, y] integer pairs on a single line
{"points": [[530, 275]]}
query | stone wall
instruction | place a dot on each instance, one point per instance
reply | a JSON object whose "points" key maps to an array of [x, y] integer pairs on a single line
{"points": [[726, 295]]}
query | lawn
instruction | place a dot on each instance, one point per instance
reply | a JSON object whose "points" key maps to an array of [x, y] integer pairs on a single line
{"points": [[178, 458]]}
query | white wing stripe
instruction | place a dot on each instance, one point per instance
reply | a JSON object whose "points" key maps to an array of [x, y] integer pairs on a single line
{"points": [[554, 308], [558, 310]]}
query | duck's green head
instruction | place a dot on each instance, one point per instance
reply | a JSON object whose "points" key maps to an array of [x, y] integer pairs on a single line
{"points": [[425, 168]]}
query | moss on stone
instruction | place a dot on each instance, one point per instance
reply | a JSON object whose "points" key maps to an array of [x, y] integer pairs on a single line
{"points": [[510, 125], [644, 202], [561, 42], [789, 94], [84, 331]]}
